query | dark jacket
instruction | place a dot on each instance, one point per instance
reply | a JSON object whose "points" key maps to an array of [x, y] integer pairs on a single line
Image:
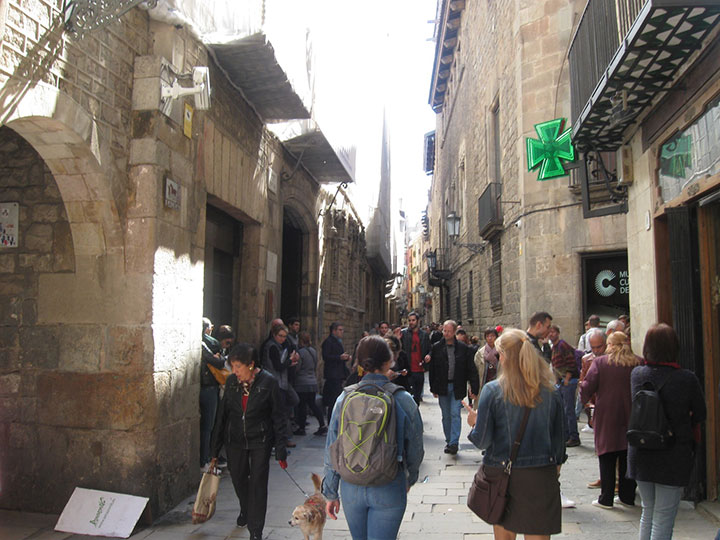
{"points": [[334, 366], [406, 340], [261, 425], [210, 347], [306, 378], [403, 362], [684, 406], [277, 362], [465, 371]]}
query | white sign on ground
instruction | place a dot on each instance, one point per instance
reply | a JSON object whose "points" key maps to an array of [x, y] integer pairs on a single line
{"points": [[101, 513]]}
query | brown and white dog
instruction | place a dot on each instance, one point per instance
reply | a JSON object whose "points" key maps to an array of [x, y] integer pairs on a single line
{"points": [[310, 516]]}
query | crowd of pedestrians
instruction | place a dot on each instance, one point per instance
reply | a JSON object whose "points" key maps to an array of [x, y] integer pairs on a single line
{"points": [[512, 378]]}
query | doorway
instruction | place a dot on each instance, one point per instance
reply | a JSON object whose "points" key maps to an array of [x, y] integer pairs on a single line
{"points": [[292, 267], [223, 242]]}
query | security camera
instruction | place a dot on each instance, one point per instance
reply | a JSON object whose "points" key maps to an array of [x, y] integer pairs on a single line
{"points": [[200, 89], [518, 223]]}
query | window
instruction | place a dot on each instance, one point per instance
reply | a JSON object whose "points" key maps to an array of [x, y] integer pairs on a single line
{"points": [[470, 296], [458, 314], [496, 276], [691, 154]]}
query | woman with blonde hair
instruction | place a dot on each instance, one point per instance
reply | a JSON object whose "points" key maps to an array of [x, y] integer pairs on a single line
{"points": [[609, 379], [525, 385]]}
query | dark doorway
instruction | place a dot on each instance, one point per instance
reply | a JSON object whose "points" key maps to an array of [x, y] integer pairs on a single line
{"points": [[292, 265], [223, 241]]}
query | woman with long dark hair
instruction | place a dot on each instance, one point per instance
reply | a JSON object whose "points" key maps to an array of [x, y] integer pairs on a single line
{"points": [[375, 511], [661, 474], [525, 382]]}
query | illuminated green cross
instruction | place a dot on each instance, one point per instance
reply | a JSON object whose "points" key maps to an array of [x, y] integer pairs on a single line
{"points": [[550, 149]]}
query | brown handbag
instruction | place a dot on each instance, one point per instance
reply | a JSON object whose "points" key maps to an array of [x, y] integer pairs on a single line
{"points": [[487, 497], [220, 375]]}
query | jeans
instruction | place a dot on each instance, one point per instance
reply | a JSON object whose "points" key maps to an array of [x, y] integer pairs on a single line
{"points": [[375, 512], [249, 470], [417, 381], [209, 396], [567, 393], [659, 508], [451, 420], [626, 486]]}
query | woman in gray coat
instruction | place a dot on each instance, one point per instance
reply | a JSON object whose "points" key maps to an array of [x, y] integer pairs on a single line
{"points": [[306, 386]]}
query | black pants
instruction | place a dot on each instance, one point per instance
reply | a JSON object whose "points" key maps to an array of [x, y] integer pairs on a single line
{"points": [[417, 381], [331, 390], [307, 399], [249, 470], [626, 486]]}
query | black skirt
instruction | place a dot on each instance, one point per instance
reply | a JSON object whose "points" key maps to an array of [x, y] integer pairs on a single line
{"points": [[533, 505]]}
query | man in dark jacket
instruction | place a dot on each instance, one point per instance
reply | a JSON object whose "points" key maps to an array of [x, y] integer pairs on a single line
{"points": [[335, 369], [451, 369], [416, 344]]}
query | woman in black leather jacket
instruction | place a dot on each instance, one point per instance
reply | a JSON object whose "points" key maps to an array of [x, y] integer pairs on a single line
{"points": [[249, 423]]}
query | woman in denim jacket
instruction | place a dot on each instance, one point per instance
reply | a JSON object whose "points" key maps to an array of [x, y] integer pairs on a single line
{"points": [[375, 512], [525, 380]]}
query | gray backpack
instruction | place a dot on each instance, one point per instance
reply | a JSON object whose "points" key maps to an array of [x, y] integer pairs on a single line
{"points": [[365, 452]]}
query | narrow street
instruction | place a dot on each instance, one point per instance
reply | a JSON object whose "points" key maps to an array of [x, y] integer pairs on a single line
{"points": [[436, 507]]}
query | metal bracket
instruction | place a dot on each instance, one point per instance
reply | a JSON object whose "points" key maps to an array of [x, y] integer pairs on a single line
{"points": [[84, 16], [475, 248]]}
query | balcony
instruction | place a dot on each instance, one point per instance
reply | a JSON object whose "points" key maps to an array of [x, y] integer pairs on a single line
{"points": [[624, 55], [490, 219]]}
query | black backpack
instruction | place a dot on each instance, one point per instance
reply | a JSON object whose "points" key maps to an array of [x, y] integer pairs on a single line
{"points": [[649, 428]]}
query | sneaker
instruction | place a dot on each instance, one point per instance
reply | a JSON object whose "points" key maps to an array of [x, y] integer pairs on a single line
{"points": [[322, 430], [617, 500], [594, 485], [447, 449], [221, 463], [597, 503], [241, 521], [565, 502], [572, 442], [299, 432], [587, 429], [452, 449]]}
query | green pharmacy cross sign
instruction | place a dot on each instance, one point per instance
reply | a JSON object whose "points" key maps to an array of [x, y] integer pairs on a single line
{"points": [[550, 149]]}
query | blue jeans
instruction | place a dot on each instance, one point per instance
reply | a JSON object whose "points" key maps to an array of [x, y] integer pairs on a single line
{"points": [[375, 512], [567, 393], [659, 508], [209, 397], [451, 420]]}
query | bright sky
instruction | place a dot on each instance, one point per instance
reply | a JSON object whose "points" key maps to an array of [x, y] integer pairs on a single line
{"points": [[379, 54]]}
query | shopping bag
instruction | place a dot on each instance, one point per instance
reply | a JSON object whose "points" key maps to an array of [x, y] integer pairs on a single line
{"points": [[206, 496]]}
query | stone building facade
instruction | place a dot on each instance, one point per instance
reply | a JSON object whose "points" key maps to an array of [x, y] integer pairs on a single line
{"points": [[500, 69], [135, 220]]}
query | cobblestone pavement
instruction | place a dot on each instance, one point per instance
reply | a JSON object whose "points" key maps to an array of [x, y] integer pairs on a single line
{"points": [[436, 506]]}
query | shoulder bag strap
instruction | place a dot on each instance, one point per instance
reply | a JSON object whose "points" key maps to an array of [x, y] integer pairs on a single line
{"points": [[518, 440]]}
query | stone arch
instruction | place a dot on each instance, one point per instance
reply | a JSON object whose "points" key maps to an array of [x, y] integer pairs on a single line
{"points": [[69, 141]]}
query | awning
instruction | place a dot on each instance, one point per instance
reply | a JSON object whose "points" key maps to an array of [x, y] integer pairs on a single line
{"points": [[658, 44], [305, 140]]}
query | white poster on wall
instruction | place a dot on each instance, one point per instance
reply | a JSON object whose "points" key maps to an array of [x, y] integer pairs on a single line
{"points": [[101, 513], [9, 214]]}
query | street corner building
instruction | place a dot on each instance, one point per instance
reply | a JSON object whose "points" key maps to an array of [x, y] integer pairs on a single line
{"points": [[142, 188]]}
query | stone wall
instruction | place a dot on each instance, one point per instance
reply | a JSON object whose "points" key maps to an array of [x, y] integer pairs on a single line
{"points": [[511, 58]]}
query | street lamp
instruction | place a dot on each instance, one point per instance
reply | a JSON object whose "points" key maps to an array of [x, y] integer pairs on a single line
{"points": [[431, 257], [453, 229]]}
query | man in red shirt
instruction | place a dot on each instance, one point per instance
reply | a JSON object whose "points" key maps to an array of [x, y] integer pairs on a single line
{"points": [[416, 344]]}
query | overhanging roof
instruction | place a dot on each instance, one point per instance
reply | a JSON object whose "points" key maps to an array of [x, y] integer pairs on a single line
{"points": [[306, 141], [658, 44], [250, 64], [446, 39]]}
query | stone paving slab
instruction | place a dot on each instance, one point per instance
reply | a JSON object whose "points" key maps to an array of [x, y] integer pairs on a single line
{"points": [[436, 505]]}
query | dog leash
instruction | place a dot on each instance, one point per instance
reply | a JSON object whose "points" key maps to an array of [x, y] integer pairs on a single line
{"points": [[298, 485]]}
